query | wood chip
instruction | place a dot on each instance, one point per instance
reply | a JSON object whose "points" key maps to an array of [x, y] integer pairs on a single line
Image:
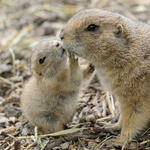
{"points": [[64, 145], [8, 130]]}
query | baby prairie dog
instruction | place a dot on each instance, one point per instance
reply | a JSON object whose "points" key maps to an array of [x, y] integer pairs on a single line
{"points": [[119, 48], [50, 97]]}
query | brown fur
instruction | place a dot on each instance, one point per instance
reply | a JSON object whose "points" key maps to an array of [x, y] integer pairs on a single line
{"points": [[50, 97], [120, 51]]}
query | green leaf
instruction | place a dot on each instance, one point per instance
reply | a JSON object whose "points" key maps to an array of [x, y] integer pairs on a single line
{"points": [[63, 132]]}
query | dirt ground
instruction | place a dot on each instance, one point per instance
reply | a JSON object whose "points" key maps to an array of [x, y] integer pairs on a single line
{"points": [[22, 25]]}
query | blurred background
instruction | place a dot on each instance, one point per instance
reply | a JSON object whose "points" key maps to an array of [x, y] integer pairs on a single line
{"points": [[23, 23]]}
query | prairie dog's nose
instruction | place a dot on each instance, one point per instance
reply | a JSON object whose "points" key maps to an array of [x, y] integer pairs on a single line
{"points": [[56, 43], [61, 35]]}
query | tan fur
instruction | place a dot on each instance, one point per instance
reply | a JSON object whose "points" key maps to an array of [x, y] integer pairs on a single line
{"points": [[120, 51], [50, 97]]}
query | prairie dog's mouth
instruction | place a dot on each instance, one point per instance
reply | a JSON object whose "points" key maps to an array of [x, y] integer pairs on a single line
{"points": [[63, 52]]}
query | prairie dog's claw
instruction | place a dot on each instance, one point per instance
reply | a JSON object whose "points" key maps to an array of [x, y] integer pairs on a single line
{"points": [[72, 57]]}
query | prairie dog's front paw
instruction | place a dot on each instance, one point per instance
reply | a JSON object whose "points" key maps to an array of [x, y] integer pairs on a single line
{"points": [[72, 59], [91, 68]]}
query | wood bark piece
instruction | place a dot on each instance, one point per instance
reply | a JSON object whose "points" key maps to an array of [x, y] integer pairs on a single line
{"points": [[8, 130]]}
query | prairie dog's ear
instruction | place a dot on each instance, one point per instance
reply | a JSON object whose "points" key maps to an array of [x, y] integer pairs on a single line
{"points": [[120, 30]]}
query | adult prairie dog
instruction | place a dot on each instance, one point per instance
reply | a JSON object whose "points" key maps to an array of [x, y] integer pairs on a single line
{"points": [[50, 97], [119, 48]]}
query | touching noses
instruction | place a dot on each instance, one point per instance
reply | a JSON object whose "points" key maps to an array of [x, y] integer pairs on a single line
{"points": [[61, 35]]}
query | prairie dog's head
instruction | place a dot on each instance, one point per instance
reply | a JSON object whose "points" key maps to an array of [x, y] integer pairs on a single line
{"points": [[94, 33], [47, 58]]}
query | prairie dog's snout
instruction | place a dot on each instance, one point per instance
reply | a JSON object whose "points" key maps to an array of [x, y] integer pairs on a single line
{"points": [[56, 43]]}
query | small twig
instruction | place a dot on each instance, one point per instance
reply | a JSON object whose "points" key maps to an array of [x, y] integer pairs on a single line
{"points": [[13, 60], [21, 35], [12, 136], [112, 101], [6, 81], [1, 109], [2, 101], [102, 142], [44, 145], [81, 143], [89, 94], [76, 125], [109, 104], [104, 118], [9, 82], [123, 147], [32, 144], [104, 106], [144, 142], [25, 137], [9, 145], [36, 132], [145, 131], [8, 42], [36, 8]]}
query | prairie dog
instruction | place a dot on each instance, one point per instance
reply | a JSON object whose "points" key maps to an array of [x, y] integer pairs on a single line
{"points": [[50, 97], [119, 48]]}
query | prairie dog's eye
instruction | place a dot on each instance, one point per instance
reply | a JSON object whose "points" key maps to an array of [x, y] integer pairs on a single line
{"points": [[92, 27], [41, 60]]}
